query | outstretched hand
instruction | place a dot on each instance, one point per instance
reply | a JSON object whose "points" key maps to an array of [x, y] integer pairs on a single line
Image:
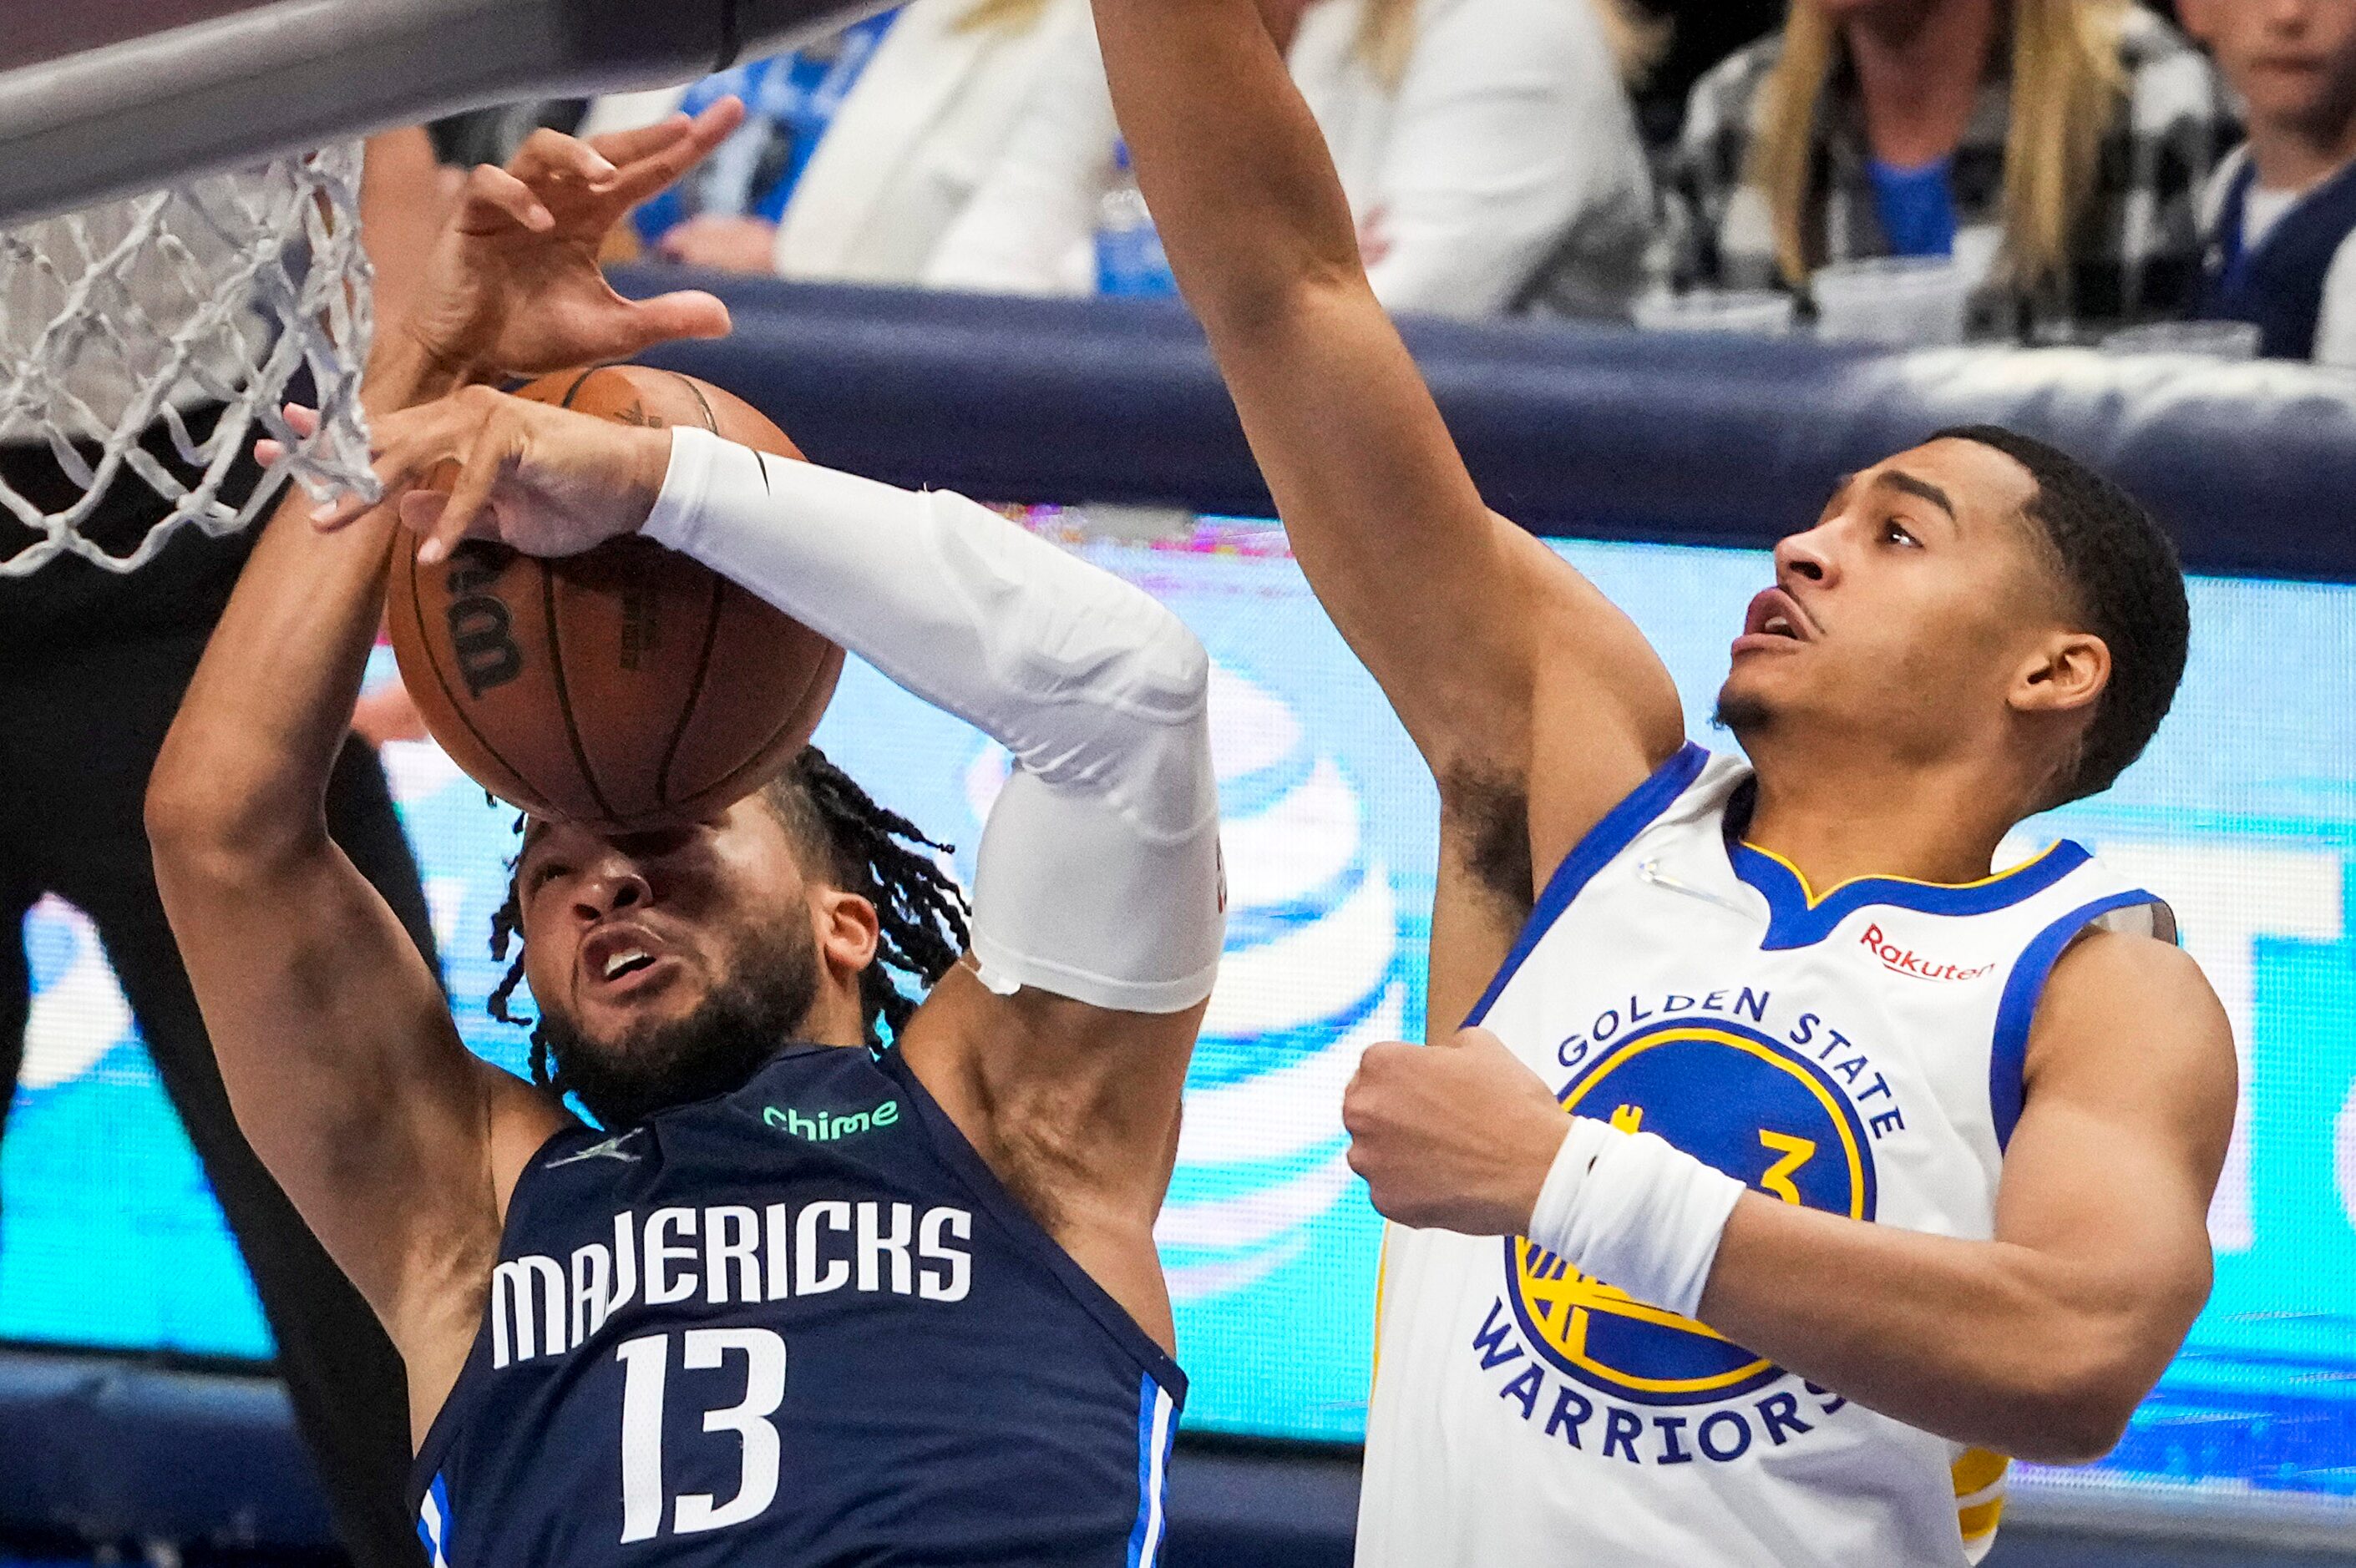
{"points": [[544, 480], [513, 287]]}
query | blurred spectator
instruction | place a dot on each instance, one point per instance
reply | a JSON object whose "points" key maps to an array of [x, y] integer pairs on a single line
{"points": [[859, 151], [1481, 144], [2055, 148], [2281, 210], [1701, 33]]}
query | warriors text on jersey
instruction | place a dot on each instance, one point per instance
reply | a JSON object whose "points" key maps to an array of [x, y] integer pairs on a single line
{"points": [[1858, 1052], [800, 1324]]}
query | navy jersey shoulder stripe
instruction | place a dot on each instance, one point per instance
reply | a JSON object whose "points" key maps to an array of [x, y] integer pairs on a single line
{"points": [[1156, 1428], [433, 1523]]}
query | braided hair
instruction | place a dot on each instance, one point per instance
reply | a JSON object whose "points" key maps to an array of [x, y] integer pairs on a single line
{"points": [[861, 848]]}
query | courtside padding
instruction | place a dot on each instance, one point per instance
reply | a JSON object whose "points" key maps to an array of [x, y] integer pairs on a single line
{"points": [[1590, 431], [1593, 432]]}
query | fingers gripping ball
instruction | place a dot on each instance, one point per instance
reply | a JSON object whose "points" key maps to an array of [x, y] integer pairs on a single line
{"points": [[625, 687]]}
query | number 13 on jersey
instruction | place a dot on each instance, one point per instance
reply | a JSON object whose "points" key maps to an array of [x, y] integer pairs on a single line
{"points": [[646, 1363]]}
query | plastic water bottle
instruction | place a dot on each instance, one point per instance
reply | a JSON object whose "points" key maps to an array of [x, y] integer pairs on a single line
{"points": [[1129, 259]]}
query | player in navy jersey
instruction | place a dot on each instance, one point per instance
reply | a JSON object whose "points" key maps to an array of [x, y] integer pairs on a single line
{"points": [[805, 1294]]}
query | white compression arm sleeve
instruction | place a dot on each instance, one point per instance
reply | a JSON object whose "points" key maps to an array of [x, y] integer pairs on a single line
{"points": [[1098, 871]]}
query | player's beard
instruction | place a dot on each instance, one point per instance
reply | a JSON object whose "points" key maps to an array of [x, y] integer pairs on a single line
{"points": [[1741, 713], [752, 1009]]}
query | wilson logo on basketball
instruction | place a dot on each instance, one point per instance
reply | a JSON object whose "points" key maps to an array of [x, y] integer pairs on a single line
{"points": [[481, 633], [1906, 961]]}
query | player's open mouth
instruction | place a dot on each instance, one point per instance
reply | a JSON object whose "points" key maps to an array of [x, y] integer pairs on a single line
{"points": [[619, 962], [1775, 619]]}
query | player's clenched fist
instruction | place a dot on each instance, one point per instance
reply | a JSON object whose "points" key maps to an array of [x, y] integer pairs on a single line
{"points": [[1455, 1137]]}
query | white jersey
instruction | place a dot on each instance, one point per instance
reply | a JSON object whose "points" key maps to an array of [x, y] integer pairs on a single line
{"points": [[1858, 1052]]}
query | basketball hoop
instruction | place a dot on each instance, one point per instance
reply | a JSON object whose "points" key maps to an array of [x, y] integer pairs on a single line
{"points": [[126, 316]]}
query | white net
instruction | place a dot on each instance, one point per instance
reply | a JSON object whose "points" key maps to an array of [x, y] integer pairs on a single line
{"points": [[139, 318]]}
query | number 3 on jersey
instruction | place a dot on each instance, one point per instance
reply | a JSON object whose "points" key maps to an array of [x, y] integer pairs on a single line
{"points": [[646, 1364]]}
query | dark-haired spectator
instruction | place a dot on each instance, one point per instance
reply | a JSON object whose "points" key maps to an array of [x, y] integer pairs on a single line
{"points": [[2055, 148], [2281, 210]]}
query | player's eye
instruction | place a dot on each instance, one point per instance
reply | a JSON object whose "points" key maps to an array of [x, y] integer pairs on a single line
{"points": [[544, 873], [1895, 532]]}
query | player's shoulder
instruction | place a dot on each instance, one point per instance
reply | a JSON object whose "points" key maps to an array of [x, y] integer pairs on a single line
{"points": [[2106, 959], [2128, 991]]}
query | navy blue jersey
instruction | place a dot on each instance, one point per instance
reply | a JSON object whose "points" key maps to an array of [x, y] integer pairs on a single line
{"points": [[800, 1324]]}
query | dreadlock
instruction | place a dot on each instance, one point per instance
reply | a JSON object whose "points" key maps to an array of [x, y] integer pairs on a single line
{"points": [[862, 848], [879, 855]]}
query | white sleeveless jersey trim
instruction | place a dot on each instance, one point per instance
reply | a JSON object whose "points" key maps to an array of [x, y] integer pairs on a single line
{"points": [[1858, 1052]]}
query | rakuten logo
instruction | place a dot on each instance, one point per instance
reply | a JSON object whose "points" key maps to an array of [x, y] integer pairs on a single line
{"points": [[1906, 961]]}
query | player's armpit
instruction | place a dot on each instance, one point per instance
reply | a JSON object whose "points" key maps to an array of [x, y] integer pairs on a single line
{"points": [[1072, 1106]]}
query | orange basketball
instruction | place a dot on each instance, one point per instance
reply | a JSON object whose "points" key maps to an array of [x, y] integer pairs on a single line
{"points": [[625, 687]]}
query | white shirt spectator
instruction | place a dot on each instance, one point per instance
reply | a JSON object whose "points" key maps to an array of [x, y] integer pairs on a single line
{"points": [[1507, 145], [926, 123]]}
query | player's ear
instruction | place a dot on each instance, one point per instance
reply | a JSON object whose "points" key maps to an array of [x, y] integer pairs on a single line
{"points": [[2065, 673], [847, 930]]}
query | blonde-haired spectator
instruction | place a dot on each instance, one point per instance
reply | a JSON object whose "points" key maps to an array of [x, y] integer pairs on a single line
{"points": [[2055, 148], [859, 151], [1487, 148]]}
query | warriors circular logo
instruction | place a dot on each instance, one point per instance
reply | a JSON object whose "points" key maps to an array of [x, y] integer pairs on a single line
{"points": [[1740, 1102]]}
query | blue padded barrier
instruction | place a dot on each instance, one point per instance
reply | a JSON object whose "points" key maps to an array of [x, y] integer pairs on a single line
{"points": [[108, 1450], [1593, 432], [111, 1449]]}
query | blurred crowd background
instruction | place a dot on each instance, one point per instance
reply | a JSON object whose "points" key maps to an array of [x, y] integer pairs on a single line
{"points": [[2098, 172]]}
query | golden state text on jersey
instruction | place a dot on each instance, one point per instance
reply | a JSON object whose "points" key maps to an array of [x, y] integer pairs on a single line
{"points": [[1857, 1051]]}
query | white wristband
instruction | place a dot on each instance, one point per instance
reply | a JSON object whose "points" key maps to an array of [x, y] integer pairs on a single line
{"points": [[1634, 1211]]}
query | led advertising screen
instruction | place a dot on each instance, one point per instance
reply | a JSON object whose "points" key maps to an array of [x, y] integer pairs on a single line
{"points": [[2242, 816]]}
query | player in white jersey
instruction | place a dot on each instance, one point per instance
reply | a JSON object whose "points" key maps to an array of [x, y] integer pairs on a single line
{"points": [[1929, 1151]]}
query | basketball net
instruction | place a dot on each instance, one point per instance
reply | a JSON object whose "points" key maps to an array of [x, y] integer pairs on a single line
{"points": [[137, 314]]}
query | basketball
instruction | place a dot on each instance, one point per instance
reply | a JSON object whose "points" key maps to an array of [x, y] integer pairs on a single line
{"points": [[625, 688]]}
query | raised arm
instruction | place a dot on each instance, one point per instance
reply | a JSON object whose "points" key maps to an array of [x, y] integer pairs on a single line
{"points": [[341, 1060], [342, 1064], [1060, 1048], [1504, 665]]}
